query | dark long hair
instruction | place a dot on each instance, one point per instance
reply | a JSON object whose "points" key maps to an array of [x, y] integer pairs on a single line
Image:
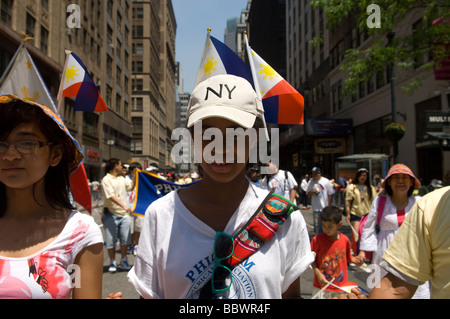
{"points": [[390, 192], [56, 180], [367, 183]]}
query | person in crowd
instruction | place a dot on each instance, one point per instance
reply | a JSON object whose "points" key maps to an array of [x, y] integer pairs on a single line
{"points": [[426, 233], [377, 183], [136, 221], [95, 189], [43, 239], [183, 231], [387, 214], [116, 213], [303, 194], [358, 199], [254, 175], [283, 183], [321, 192], [332, 250]]}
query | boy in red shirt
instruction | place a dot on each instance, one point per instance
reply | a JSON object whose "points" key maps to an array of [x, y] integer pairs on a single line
{"points": [[332, 254]]}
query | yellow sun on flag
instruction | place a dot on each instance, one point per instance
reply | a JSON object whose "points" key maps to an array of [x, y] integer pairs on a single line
{"points": [[28, 64], [209, 66], [71, 73], [268, 72], [26, 95]]}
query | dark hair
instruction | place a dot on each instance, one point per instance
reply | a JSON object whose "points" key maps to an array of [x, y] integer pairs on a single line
{"points": [[56, 180], [134, 165], [367, 183], [331, 214], [390, 192], [110, 164]]}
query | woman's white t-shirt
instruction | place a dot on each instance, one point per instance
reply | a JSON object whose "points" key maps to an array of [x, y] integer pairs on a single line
{"points": [[175, 253], [51, 272]]}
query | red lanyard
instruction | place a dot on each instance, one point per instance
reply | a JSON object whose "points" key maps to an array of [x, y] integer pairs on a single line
{"points": [[400, 216]]}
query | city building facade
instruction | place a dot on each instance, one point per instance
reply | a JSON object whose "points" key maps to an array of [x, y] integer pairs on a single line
{"points": [[336, 125], [153, 83], [102, 40]]}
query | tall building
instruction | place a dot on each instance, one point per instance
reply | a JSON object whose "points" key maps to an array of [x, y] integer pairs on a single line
{"points": [[230, 33], [153, 82], [102, 41], [347, 125]]}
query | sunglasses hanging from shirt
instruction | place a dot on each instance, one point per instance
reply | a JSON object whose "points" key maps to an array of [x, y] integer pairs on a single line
{"points": [[231, 250]]}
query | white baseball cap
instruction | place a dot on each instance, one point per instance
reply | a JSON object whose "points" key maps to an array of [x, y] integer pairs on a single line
{"points": [[226, 96]]}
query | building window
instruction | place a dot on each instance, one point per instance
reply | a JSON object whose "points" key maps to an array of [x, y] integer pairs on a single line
{"points": [[138, 31], [139, 13], [137, 104], [136, 146], [90, 124], [118, 103], [137, 125], [137, 84], [139, 48], [44, 40], [6, 11], [109, 65], [31, 25], [108, 95]]}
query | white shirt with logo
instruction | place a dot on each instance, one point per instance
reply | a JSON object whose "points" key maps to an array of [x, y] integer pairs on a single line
{"points": [[175, 255]]}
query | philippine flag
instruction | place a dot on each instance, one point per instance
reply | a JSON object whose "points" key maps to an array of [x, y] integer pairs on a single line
{"points": [[282, 103], [77, 82], [219, 59]]}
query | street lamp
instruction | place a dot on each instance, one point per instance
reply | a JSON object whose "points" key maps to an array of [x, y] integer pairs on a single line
{"points": [[110, 143], [390, 37], [306, 90]]}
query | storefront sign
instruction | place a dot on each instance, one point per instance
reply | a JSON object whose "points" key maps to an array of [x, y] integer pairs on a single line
{"points": [[329, 145], [92, 155], [437, 119]]}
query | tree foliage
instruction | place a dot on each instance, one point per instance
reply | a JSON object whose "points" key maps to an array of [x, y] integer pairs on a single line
{"points": [[427, 38]]}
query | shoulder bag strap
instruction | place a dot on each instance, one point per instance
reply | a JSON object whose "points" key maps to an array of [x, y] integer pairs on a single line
{"points": [[260, 228], [380, 210]]}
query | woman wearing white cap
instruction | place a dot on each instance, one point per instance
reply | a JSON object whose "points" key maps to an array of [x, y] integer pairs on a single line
{"points": [[177, 252], [47, 249]]}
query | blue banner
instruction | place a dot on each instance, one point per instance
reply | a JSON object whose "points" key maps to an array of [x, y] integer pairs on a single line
{"points": [[150, 187]]}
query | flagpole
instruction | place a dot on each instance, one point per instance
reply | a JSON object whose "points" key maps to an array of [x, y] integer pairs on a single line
{"points": [[61, 83], [16, 54], [255, 81]]}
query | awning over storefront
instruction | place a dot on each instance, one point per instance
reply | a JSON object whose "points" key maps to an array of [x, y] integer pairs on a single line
{"points": [[375, 163], [435, 139]]}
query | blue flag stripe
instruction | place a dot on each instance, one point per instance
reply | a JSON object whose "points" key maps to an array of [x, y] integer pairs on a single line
{"points": [[150, 187]]}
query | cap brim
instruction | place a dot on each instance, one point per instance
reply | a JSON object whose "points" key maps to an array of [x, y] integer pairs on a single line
{"points": [[242, 118]]}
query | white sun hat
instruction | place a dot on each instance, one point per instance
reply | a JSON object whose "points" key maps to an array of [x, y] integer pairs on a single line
{"points": [[226, 96]]}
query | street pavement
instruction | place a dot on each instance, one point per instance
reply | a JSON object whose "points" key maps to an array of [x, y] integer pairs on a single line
{"points": [[118, 281]]}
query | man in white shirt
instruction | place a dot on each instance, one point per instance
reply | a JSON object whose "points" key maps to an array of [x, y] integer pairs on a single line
{"points": [[303, 195], [283, 183], [321, 192], [116, 219]]}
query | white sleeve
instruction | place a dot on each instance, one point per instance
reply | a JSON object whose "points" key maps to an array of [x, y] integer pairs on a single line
{"points": [[85, 233], [143, 276], [330, 188], [369, 238]]}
